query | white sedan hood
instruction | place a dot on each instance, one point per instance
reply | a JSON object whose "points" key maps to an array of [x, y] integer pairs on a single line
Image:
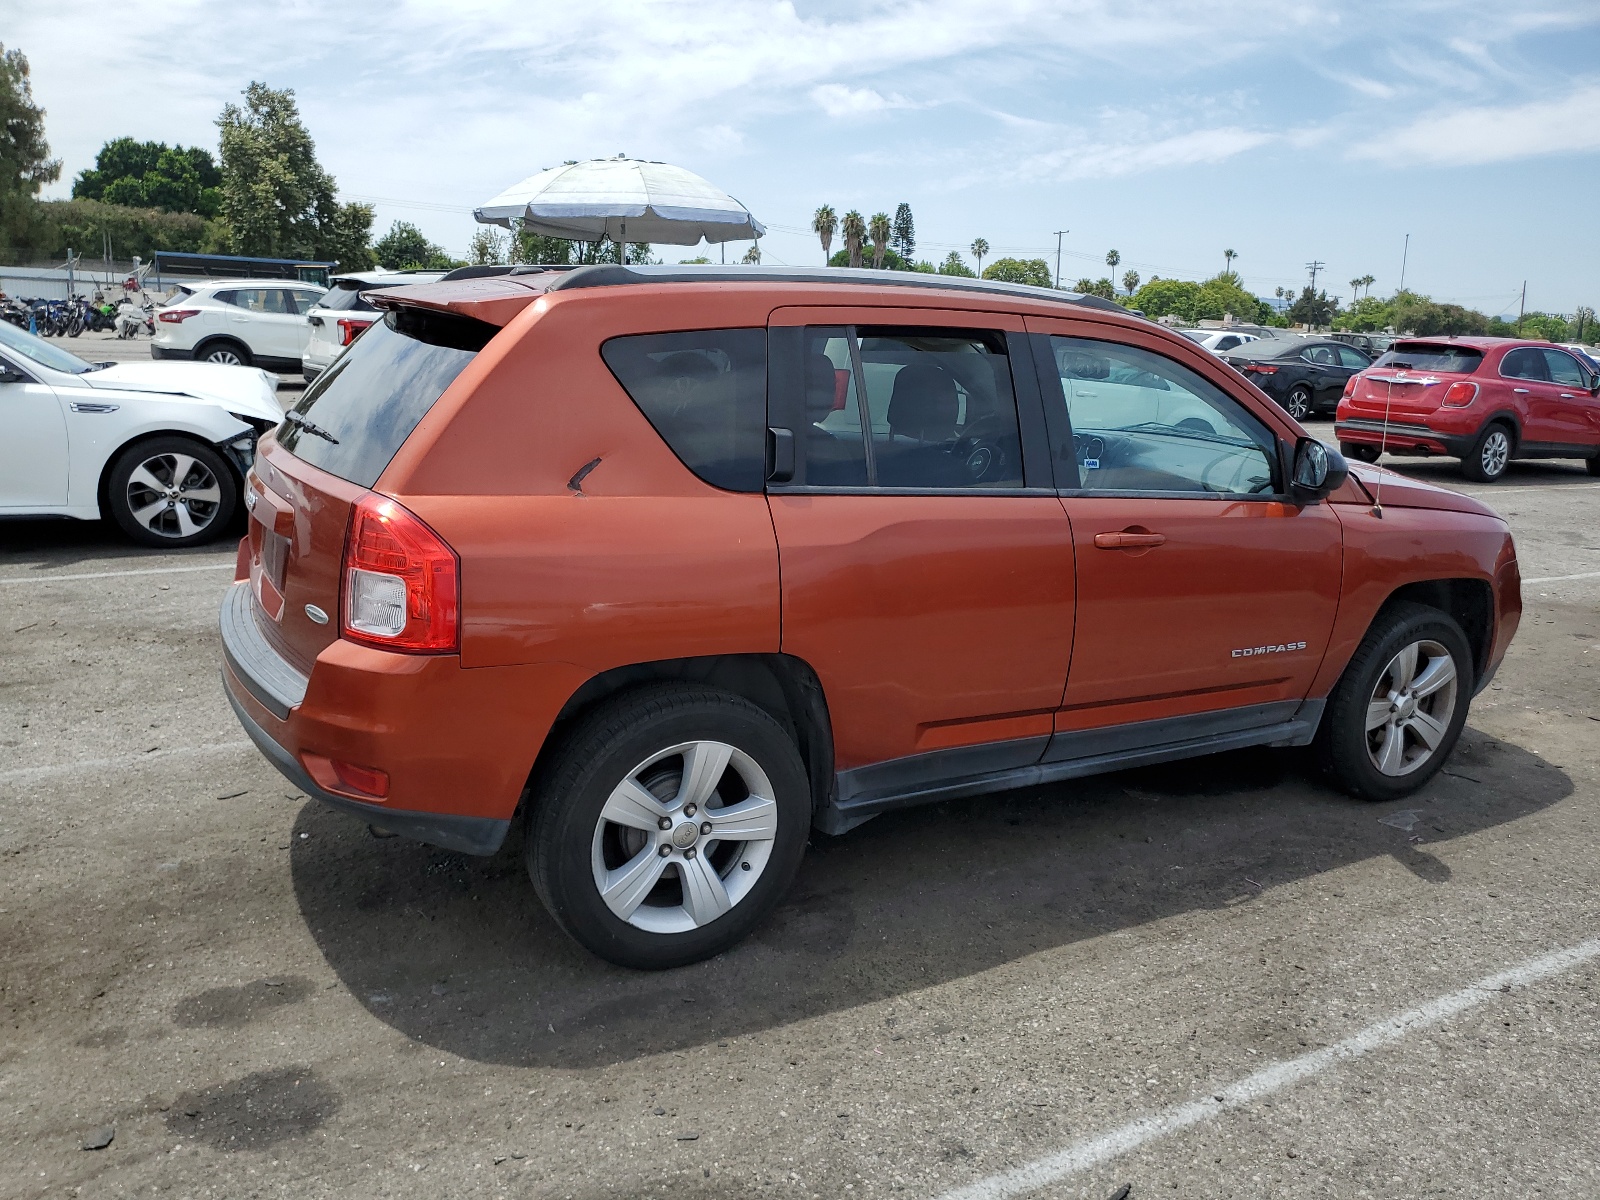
{"points": [[244, 390]]}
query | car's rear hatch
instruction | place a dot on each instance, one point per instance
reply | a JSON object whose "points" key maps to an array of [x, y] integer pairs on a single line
{"points": [[1410, 380], [335, 443]]}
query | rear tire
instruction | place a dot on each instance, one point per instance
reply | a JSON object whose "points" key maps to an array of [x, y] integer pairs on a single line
{"points": [[1592, 465], [1398, 709], [1355, 450], [1299, 402], [1490, 454], [171, 492], [225, 351], [643, 896]]}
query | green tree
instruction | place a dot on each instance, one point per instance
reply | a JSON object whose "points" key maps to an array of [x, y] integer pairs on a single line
{"points": [[277, 201], [1582, 323], [1033, 271], [825, 223], [1112, 259], [979, 248], [25, 162], [1366, 315], [1170, 298], [854, 229], [891, 260], [347, 238], [1130, 280], [153, 175], [405, 246], [879, 229], [1546, 326], [87, 225], [752, 256], [1313, 308], [953, 264], [487, 247], [904, 237], [1227, 260]]}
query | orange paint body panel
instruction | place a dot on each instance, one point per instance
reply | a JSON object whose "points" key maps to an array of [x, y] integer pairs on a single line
{"points": [[931, 621]]}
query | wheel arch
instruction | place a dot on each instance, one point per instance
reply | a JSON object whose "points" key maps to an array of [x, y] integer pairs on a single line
{"points": [[1503, 416], [211, 339], [1469, 602], [783, 686]]}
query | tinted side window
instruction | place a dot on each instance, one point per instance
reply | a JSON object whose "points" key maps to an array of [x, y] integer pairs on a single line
{"points": [[1321, 355], [1354, 358], [1563, 368], [940, 407], [1525, 362], [705, 393], [360, 411], [1144, 423]]}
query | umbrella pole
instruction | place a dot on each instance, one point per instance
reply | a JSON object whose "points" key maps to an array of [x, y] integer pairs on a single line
{"points": [[622, 245]]}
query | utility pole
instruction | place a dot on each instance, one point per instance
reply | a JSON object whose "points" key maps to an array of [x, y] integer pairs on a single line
{"points": [[1404, 254], [1314, 266], [1522, 306], [1060, 233]]}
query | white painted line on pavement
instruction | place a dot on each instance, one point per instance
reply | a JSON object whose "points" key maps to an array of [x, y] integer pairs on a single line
{"points": [[216, 566], [1559, 578], [28, 774], [1492, 490], [1103, 1148]]}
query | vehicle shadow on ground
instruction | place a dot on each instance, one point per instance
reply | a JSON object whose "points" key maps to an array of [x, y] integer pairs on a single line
{"points": [[50, 543], [457, 952]]}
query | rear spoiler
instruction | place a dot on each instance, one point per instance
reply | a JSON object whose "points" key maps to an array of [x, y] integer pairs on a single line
{"points": [[494, 300]]}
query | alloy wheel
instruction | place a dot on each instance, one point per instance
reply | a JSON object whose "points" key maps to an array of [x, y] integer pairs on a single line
{"points": [[1299, 404], [225, 356], [1409, 712], [1496, 452], [684, 837], [174, 495]]}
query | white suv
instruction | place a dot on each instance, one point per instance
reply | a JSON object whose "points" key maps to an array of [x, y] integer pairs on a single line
{"points": [[343, 312], [245, 322]]}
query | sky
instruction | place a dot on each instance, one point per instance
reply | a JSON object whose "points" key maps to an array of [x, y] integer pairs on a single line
{"points": [[1169, 130]]}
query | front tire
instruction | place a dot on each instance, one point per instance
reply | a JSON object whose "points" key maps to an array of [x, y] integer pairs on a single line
{"points": [[1490, 454], [1399, 707], [171, 492], [668, 825]]}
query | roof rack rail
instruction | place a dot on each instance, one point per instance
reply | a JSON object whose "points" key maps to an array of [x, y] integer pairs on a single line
{"points": [[611, 275]]}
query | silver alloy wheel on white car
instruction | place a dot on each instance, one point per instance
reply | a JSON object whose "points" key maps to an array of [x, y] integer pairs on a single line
{"points": [[1409, 712], [174, 495], [226, 355], [1496, 452], [684, 837]]}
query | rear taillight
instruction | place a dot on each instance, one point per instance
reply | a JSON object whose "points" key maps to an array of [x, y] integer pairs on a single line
{"points": [[402, 583], [1459, 395], [177, 316], [1259, 369], [350, 328], [1350, 386]]}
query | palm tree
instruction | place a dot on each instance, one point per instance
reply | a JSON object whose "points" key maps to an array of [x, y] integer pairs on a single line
{"points": [[1355, 289], [1112, 259], [823, 223], [879, 229], [1130, 280], [855, 232], [1367, 281], [1084, 286], [979, 249], [1227, 257]]}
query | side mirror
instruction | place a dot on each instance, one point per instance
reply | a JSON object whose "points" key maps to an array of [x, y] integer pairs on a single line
{"points": [[1317, 471]]}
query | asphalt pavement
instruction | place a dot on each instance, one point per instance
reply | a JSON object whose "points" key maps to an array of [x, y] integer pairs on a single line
{"points": [[1213, 979]]}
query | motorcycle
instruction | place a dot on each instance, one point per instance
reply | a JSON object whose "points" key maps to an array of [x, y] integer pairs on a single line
{"points": [[132, 317]]}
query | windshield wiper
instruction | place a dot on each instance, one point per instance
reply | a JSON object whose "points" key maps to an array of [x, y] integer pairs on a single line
{"points": [[1191, 434], [315, 430]]}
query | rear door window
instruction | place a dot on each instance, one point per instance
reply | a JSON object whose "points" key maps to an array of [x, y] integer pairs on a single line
{"points": [[705, 393], [360, 411]]}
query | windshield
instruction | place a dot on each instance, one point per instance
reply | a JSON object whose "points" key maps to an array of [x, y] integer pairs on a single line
{"points": [[361, 410], [1420, 356], [41, 351]]}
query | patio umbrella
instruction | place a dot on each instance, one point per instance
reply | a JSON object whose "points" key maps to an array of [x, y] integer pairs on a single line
{"points": [[622, 199]]}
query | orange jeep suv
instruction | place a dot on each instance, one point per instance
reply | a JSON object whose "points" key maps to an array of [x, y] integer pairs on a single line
{"points": [[676, 564]]}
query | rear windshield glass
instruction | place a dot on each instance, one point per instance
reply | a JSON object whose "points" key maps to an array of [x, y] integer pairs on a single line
{"points": [[360, 411], [706, 394], [1421, 356], [344, 298]]}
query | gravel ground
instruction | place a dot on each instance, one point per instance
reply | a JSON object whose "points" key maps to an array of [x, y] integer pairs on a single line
{"points": [[255, 996]]}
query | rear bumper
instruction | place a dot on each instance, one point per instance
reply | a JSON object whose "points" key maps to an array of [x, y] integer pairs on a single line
{"points": [[467, 835], [1402, 437]]}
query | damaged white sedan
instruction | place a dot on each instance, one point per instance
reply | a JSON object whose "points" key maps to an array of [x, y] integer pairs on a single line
{"points": [[161, 448]]}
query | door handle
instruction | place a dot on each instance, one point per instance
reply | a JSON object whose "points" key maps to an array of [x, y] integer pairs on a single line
{"points": [[1568, 396], [1520, 391], [1128, 540]]}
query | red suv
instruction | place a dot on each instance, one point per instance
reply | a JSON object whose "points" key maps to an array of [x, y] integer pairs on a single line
{"points": [[1482, 400], [675, 565]]}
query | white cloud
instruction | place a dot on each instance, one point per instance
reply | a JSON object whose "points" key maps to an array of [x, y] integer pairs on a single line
{"points": [[838, 100], [1102, 159], [1473, 136]]}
